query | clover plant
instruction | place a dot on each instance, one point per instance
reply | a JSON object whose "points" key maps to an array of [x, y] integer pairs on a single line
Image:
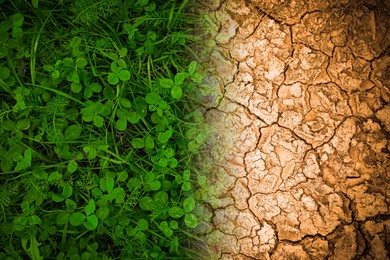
{"points": [[99, 130]]}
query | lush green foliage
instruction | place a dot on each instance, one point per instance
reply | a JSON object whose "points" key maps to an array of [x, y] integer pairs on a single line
{"points": [[98, 129]]}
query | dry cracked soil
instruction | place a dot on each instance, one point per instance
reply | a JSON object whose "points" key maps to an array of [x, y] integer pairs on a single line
{"points": [[299, 156]]}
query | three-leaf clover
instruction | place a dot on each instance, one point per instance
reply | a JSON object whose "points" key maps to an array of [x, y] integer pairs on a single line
{"points": [[119, 68]]}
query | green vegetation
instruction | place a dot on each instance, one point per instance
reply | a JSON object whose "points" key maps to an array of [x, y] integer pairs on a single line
{"points": [[98, 129]]}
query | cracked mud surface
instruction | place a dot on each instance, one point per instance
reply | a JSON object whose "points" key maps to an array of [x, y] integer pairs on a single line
{"points": [[300, 106]]}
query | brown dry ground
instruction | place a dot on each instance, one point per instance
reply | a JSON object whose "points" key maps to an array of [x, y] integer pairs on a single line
{"points": [[300, 108]]}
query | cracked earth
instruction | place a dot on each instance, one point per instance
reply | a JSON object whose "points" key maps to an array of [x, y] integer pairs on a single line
{"points": [[300, 108]]}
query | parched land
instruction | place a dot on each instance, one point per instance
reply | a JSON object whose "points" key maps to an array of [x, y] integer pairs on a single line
{"points": [[300, 107]]}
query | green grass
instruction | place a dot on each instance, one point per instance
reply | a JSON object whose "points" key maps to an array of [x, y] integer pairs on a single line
{"points": [[99, 130]]}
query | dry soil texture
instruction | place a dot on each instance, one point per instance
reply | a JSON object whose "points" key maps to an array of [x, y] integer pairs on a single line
{"points": [[300, 106]]}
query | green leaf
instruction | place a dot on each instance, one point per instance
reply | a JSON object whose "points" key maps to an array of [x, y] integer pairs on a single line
{"points": [[133, 117], [55, 74], [17, 33], [180, 77], [174, 224], [122, 64], [176, 92], [202, 180], [155, 185], [161, 197], [72, 132], [4, 37], [189, 204], [88, 93], [98, 121], [90, 208], [141, 236], [165, 136], [124, 75], [150, 176], [4, 73], [110, 184], [138, 143], [11, 82], [17, 20], [192, 67], [67, 62], [123, 221], [5, 26], [190, 220], [107, 184], [125, 103], [122, 112], [122, 176], [67, 191], [176, 212], [81, 62], [12, 43], [25, 207], [62, 218], [121, 124], [6, 164], [150, 7], [200, 138], [103, 213], [143, 224], [193, 146], [119, 194], [3, 50], [166, 83], [178, 179], [173, 163], [163, 162], [169, 152], [123, 52], [70, 205], [143, 2], [147, 203], [140, 106], [34, 220], [109, 92], [149, 142], [54, 176], [8, 125], [166, 229], [95, 87], [113, 79], [77, 219], [97, 193], [197, 77], [76, 87], [92, 154], [186, 186], [75, 77], [152, 98], [186, 175], [19, 223], [49, 68], [111, 55], [115, 67], [25, 162], [57, 197], [174, 245], [23, 124], [72, 166], [35, 4]]}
